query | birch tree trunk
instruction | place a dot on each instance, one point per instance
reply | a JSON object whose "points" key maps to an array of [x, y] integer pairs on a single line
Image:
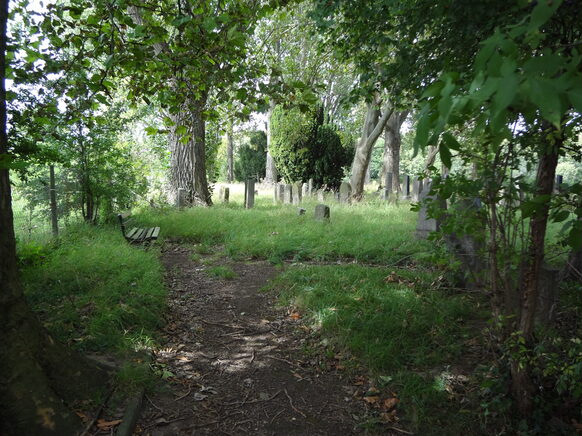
{"points": [[188, 153], [271, 169], [391, 156], [229, 154], [373, 127]]}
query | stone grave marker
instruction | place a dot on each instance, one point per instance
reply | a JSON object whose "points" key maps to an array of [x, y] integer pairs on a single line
{"points": [[425, 225], [250, 194], [226, 194], [281, 191], [304, 189], [416, 189], [345, 192], [310, 187], [300, 211], [406, 187], [288, 195], [322, 212], [296, 193], [321, 195]]}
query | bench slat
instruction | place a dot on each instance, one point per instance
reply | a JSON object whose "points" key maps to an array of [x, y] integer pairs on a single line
{"points": [[148, 234], [156, 233], [137, 236], [130, 234]]}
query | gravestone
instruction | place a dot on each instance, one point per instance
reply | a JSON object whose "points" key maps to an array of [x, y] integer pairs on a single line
{"points": [[322, 212], [281, 191], [288, 195], [416, 189], [220, 193], [250, 194], [406, 187], [320, 195], [300, 211], [310, 187], [558, 183], [275, 193], [425, 225], [345, 192], [296, 193], [304, 188], [226, 195], [181, 198]]}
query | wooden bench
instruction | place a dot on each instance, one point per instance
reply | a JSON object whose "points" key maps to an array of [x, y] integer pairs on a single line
{"points": [[137, 235]]}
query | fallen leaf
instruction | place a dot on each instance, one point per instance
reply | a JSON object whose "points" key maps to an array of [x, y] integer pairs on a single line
{"points": [[389, 403], [107, 425], [389, 416], [199, 397], [371, 400], [295, 315]]}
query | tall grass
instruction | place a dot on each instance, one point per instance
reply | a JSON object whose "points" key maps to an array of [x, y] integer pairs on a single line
{"points": [[94, 291], [368, 233]]}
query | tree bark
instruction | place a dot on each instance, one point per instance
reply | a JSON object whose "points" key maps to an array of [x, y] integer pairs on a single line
{"points": [[188, 153], [229, 154], [271, 169], [38, 378], [522, 384], [373, 127], [391, 156]]}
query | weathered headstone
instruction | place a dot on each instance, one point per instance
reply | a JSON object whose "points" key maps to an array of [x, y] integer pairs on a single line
{"points": [[406, 187], [288, 195], [226, 195], [304, 189], [416, 189], [220, 193], [181, 198], [250, 194], [320, 195], [425, 225], [281, 191], [300, 211], [321, 212], [345, 192], [310, 187], [275, 193], [558, 183], [296, 193]]}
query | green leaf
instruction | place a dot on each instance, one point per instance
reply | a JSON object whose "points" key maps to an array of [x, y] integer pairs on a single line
{"points": [[151, 130], [542, 13], [445, 154], [547, 99], [451, 141], [560, 216]]}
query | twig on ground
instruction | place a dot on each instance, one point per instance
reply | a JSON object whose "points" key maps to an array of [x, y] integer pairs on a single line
{"points": [[293, 407], [185, 395], [164, 422], [221, 325], [252, 358], [399, 430], [288, 362], [92, 422], [238, 403], [152, 403], [276, 416]]}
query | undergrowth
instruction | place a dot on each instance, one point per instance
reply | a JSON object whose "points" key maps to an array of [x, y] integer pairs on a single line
{"points": [[94, 291]]}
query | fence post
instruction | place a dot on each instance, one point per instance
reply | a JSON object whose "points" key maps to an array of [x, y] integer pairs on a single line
{"points": [[53, 200]]}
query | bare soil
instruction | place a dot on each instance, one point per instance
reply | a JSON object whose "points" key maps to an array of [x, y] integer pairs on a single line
{"points": [[236, 363]]}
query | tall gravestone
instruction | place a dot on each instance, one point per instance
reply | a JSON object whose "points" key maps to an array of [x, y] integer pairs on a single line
{"points": [[181, 198], [226, 195], [296, 193], [288, 194], [281, 191], [275, 193], [304, 189], [406, 187], [425, 225], [558, 183], [250, 194], [322, 212], [416, 189], [310, 187], [320, 195], [345, 192]]}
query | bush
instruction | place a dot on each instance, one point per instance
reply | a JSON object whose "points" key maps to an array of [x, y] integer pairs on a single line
{"points": [[252, 158], [304, 147]]}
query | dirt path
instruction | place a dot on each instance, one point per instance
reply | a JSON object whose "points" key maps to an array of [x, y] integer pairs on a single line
{"points": [[237, 363]]}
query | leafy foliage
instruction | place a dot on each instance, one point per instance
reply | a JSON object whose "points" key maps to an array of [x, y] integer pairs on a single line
{"points": [[252, 157], [304, 147]]}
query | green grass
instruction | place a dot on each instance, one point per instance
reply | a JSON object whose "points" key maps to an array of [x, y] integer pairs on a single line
{"points": [[374, 233], [223, 272], [96, 292], [404, 331]]}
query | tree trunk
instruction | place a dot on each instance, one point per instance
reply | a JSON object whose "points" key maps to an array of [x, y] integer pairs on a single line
{"points": [[522, 385], [271, 169], [373, 126], [188, 153], [39, 379], [391, 156], [229, 154]]}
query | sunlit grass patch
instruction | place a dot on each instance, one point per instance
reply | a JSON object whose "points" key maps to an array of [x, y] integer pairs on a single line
{"points": [[223, 272]]}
